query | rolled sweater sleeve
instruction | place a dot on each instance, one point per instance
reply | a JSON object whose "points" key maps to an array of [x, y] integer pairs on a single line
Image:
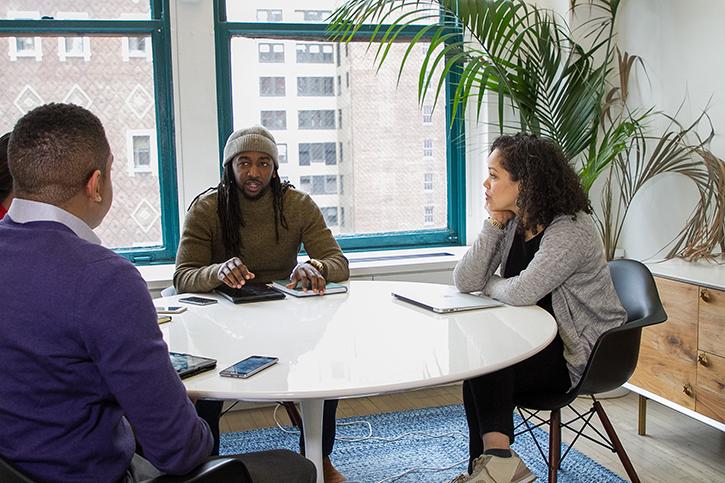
{"points": [[117, 322], [560, 254], [320, 244], [480, 261], [195, 271]]}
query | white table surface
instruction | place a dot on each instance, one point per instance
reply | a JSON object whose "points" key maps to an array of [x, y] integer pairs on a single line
{"points": [[356, 344]]}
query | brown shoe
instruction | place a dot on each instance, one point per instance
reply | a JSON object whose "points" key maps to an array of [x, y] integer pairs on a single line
{"points": [[330, 473]]}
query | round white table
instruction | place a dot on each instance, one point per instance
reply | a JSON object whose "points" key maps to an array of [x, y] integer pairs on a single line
{"points": [[356, 344]]}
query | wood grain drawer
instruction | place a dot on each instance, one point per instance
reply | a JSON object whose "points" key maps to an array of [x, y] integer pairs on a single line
{"points": [[711, 337], [667, 363], [710, 393]]}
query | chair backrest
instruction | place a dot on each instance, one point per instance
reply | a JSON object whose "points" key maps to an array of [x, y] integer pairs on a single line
{"points": [[8, 474], [614, 356]]}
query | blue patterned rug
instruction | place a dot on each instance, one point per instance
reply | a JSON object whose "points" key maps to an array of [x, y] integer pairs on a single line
{"points": [[378, 460]]}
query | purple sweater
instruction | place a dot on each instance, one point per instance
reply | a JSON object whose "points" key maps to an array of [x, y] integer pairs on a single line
{"points": [[83, 361]]}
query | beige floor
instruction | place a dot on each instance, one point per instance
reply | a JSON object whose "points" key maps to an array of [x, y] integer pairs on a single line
{"points": [[675, 449]]}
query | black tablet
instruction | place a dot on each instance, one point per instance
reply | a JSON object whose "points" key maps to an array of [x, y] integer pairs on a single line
{"points": [[187, 365], [249, 293]]}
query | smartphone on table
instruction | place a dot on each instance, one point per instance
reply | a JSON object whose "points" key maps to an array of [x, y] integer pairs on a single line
{"points": [[197, 300], [249, 366], [170, 309]]}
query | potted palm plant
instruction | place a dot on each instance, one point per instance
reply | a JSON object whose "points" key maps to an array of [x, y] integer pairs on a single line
{"points": [[569, 85]]}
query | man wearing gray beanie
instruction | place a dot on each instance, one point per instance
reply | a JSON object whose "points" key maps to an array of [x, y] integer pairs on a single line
{"points": [[249, 229]]}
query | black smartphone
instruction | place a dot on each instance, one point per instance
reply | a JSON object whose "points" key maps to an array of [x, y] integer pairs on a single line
{"points": [[249, 366], [197, 300]]}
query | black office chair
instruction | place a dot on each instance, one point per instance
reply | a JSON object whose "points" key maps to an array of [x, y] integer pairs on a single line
{"points": [[611, 363], [214, 471]]}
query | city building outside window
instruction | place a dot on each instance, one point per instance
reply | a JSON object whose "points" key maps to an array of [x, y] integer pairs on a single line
{"points": [[141, 151], [427, 148], [317, 153], [315, 86], [272, 86], [427, 114], [381, 141], [271, 53], [274, 120], [313, 15], [76, 46], [316, 119], [282, 153], [131, 96], [24, 46], [428, 215], [267, 15], [330, 215], [428, 182], [315, 53]]}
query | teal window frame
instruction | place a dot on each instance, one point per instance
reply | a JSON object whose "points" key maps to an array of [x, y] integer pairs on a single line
{"points": [[158, 28], [454, 233]]}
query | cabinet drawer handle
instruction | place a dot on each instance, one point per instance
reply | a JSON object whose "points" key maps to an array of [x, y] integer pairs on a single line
{"points": [[704, 295], [702, 359], [687, 389]]}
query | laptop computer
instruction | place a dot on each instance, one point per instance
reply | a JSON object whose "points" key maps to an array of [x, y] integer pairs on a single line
{"points": [[187, 365], [249, 293], [443, 298]]}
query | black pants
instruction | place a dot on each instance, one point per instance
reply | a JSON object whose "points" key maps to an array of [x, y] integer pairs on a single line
{"points": [[489, 400], [210, 411]]}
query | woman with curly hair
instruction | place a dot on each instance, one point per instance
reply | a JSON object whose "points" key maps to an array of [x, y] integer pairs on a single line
{"points": [[541, 236]]}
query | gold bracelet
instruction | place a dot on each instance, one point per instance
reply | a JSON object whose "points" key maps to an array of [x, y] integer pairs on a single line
{"points": [[317, 264], [496, 223]]}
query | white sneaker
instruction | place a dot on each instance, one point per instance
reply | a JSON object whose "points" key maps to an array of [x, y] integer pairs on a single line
{"points": [[493, 469]]}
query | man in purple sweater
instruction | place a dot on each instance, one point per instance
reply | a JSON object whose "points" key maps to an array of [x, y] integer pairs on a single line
{"points": [[85, 371]]}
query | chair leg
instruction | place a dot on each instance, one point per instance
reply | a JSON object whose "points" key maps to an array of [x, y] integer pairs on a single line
{"points": [[554, 444], [293, 413], [615, 441]]}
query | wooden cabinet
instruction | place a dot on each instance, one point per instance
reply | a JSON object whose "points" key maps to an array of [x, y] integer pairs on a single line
{"points": [[682, 361]]}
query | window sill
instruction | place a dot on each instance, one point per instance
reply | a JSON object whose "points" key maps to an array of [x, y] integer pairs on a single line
{"points": [[362, 264]]}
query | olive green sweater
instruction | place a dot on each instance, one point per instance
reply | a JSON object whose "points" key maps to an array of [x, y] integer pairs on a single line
{"points": [[201, 250]]}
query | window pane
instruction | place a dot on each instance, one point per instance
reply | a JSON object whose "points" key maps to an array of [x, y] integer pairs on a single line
{"points": [[314, 53], [121, 93], [271, 86], [73, 9], [274, 119], [315, 86], [316, 119], [295, 11], [271, 53], [382, 163]]}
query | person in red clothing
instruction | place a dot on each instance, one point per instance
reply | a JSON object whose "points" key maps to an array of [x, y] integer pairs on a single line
{"points": [[6, 181]]}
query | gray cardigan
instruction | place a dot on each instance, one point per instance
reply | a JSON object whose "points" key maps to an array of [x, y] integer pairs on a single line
{"points": [[569, 264]]}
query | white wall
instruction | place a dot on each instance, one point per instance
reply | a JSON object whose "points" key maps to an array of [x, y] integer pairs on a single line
{"points": [[682, 44], [195, 100]]}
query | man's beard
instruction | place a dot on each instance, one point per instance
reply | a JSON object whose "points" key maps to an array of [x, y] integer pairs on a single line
{"points": [[257, 196]]}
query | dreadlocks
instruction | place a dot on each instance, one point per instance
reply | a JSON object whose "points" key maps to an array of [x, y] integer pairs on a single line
{"points": [[230, 216]]}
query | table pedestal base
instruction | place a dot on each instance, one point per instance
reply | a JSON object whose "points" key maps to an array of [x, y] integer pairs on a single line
{"points": [[312, 423]]}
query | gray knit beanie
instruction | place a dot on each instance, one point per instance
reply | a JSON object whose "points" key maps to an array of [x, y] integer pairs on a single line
{"points": [[255, 138]]}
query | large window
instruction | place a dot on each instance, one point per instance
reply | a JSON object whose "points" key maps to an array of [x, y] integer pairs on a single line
{"points": [[398, 190], [116, 63]]}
